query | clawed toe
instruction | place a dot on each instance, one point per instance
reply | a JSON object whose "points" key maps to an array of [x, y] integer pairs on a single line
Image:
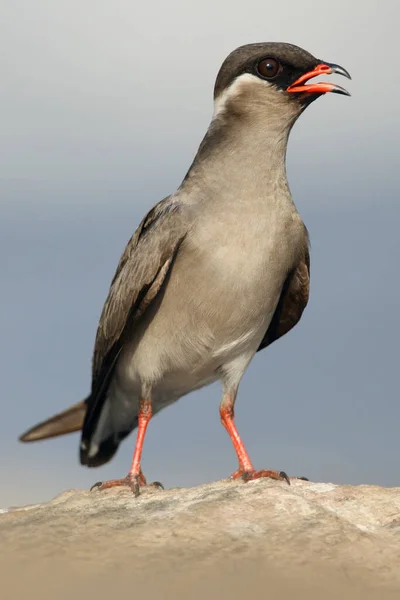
{"points": [[96, 485], [251, 475], [156, 484], [283, 476], [134, 482]]}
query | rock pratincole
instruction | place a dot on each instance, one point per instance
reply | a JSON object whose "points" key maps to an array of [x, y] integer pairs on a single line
{"points": [[214, 273]]}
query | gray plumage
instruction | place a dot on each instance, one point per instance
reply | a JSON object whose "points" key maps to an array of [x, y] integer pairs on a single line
{"points": [[214, 272]]}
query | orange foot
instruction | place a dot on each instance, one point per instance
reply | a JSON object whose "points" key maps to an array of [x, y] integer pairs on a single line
{"points": [[134, 482], [250, 475]]}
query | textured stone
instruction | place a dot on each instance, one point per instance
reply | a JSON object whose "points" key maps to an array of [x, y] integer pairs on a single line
{"points": [[310, 532]]}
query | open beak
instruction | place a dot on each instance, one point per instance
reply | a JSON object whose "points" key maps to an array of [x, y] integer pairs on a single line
{"points": [[300, 86]]}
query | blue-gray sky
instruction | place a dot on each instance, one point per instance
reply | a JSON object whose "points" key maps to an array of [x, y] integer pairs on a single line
{"points": [[103, 107]]}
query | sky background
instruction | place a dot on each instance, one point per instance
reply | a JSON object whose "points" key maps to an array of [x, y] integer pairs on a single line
{"points": [[103, 107]]}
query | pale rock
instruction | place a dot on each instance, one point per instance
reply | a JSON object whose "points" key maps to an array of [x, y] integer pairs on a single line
{"points": [[306, 534]]}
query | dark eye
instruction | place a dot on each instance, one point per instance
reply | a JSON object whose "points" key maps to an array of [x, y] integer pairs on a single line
{"points": [[268, 68]]}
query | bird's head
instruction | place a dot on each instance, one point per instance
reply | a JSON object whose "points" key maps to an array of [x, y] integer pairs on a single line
{"points": [[272, 77]]}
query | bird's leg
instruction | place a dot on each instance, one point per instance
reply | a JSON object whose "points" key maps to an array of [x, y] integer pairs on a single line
{"points": [[135, 478], [246, 470]]}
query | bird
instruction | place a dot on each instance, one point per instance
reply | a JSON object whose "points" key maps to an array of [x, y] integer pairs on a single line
{"points": [[214, 273]]}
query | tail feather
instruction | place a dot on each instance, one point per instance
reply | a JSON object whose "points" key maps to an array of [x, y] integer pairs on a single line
{"points": [[68, 421], [116, 417]]}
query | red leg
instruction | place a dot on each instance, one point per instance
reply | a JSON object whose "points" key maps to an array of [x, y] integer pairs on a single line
{"points": [[246, 470], [135, 478], [145, 414]]}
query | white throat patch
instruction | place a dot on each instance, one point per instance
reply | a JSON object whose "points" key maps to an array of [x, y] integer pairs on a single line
{"points": [[234, 90]]}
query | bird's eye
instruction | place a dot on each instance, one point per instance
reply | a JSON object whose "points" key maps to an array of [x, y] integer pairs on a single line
{"points": [[268, 68]]}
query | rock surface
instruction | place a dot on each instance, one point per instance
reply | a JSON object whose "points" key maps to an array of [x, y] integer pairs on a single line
{"points": [[303, 538]]}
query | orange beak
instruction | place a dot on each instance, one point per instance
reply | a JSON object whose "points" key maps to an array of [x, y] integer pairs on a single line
{"points": [[300, 87]]}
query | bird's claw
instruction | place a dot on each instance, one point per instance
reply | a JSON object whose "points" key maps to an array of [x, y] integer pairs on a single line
{"points": [[283, 476], [251, 475], [157, 484], [96, 485], [134, 482]]}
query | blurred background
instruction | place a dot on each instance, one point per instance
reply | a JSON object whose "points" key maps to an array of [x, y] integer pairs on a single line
{"points": [[103, 107]]}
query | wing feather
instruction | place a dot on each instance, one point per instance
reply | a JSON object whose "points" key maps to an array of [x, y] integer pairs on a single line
{"points": [[142, 268], [292, 302]]}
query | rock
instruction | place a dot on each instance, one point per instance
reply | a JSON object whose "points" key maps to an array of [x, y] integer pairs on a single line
{"points": [[304, 537]]}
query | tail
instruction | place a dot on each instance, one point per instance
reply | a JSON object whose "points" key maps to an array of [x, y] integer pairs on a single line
{"points": [[104, 429], [66, 422]]}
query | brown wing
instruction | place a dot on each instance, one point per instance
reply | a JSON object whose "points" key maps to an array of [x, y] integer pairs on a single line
{"points": [[141, 271], [293, 300]]}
